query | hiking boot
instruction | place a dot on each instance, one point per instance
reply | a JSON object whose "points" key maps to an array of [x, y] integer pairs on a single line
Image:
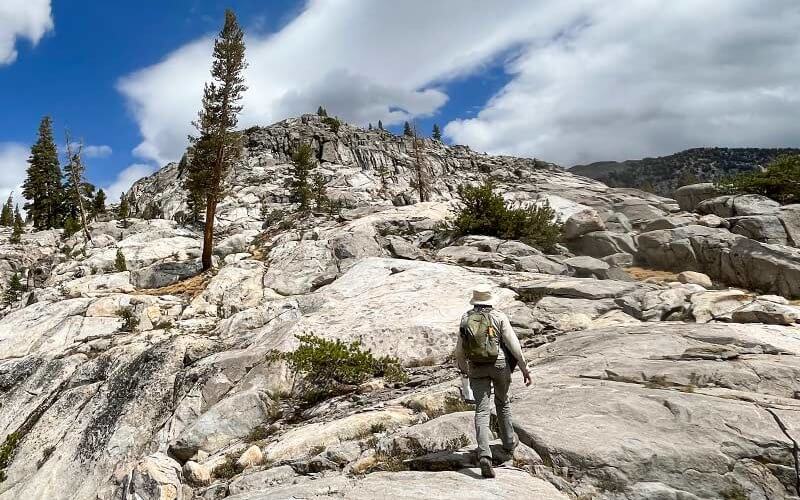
{"points": [[486, 467]]}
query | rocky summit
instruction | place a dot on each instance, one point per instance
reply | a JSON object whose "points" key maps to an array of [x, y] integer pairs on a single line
{"points": [[661, 335]]}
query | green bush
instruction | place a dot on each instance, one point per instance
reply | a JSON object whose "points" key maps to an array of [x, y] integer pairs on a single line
{"points": [[119, 262], [7, 451], [780, 181], [482, 211], [327, 365], [333, 123], [129, 320]]}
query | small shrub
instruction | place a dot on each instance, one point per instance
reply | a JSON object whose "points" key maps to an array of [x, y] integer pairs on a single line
{"points": [[7, 451], [259, 433], [377, 428], [327, 365], [482, 211], [129, 320], [226, 469], [119, 262], [71, 226], [163, 324], [779, 181], [333, 123]]}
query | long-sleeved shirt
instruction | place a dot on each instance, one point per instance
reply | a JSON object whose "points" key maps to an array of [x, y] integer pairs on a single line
{"points": [[508, 341]]}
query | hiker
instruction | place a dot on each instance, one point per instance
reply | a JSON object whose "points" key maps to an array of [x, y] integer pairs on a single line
{"points": [[487, 352]]}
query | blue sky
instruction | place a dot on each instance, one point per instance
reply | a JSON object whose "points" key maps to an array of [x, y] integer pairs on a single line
{"points": [[73, 71], [569, 82]]}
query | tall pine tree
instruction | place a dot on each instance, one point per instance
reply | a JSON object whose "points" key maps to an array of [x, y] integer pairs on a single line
{"points": [[124, 210], [407, 130], [78, 192], [99, 204], [218, 144], [7, 213], [42, 187], [436, 134], [19, 227], [14, 290], [299, 187]]}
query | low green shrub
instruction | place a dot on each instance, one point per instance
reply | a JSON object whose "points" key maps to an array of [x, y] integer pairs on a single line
{"points": [[129, 320], [779, 181], [328, 365], [7, 451], [333, 123], [482, 211]]}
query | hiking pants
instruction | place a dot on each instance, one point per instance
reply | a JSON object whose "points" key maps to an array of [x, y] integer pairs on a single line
{"points": [[481, 378]]}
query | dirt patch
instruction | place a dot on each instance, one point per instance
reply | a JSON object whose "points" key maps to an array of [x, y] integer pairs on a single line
{"points": [[651, 275], [191, 287]]}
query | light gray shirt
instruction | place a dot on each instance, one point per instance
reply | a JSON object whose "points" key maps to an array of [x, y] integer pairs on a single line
{"points": [[509, 340]]}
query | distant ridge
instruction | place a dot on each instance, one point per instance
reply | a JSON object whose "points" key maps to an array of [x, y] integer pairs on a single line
{"points": [[664, 174]]}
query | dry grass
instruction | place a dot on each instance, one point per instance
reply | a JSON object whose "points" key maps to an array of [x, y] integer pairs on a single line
{"points": [[651, 275], [191, 287]]}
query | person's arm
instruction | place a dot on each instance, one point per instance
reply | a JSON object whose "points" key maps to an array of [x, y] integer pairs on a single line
{"points": [[511, 342], [461, 360]]}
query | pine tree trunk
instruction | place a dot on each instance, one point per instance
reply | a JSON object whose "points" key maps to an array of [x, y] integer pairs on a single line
{"points": [[83, 217], [208, 232]]}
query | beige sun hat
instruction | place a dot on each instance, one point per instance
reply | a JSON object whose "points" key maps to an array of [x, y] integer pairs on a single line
{"points": [[482, 296]]}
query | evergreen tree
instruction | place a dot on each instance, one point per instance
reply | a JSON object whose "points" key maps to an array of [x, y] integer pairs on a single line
{"points": [[299, 188], [380, 125], [99, 205], [218, 144], [13, 291], [124, 211], [407, 130], [71, 226], [119, 262], [78, 193], [437, 133], [19, 227], [7, 213], [370, 126], [422, 174], [319, 191], [322, 111], [42, 187]]}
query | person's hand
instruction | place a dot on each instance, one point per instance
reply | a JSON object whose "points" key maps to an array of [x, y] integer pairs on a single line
{"points": [[526, 377]]}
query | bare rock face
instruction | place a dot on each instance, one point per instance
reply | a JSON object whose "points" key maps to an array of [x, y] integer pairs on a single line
{"points": [[689, 197], [141, 384]]}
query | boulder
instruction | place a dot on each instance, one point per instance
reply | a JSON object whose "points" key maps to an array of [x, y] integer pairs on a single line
{"points": [[651, 408], [251, 457], [300, 442], [448, 432], [725, 257], [540, 264], [618, 223], [580, 223], [196, 474], [259, 481], [690, 196], [718, 305], [668, 223], [601, 244], [764, 228], [695, 278], [230, 419], [156, 477], [638, 210], [712, 220], [622, 259], [167, 273], [768, 312], [790, 217], [738, 206]]}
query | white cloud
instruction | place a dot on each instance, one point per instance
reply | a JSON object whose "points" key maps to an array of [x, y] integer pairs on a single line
{"points": [[125, 180], [363, 60], [590, 79], [29, 19], [100, 151], [13, 167], [649, 79]]}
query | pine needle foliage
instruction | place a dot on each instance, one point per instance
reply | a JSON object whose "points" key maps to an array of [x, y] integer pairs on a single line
{"points": [[779, 181], [42, 187], [218, 145], [482, 211]]}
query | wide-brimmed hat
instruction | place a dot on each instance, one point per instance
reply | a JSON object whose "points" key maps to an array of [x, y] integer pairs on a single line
{"points": [[482, 296]]}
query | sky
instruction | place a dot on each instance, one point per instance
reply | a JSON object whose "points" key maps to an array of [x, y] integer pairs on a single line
{"points": [[569, 82]]}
